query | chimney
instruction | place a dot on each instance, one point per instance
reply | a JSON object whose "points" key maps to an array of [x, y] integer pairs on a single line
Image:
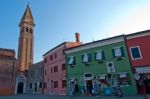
{"points": [[77, 35]]}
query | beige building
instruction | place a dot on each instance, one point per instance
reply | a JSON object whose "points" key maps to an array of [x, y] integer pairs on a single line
{"points": [[25, 50], [7, 71]]}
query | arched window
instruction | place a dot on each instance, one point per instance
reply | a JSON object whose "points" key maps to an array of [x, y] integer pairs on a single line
{"points": [[27, 29], [31, 30]]}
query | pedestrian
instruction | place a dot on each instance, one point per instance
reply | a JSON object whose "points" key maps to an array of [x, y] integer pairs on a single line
{"points": [[71, 88], [76, 88]]}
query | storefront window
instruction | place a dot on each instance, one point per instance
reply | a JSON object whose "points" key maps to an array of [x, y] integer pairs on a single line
{"points": [[124, 79]]}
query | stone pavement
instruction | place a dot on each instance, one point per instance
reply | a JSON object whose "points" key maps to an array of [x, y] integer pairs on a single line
{"points": [[40, 96]]}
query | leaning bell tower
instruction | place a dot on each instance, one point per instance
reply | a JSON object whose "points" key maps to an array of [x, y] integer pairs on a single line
{"points": [[26, 42], [25, 50]]}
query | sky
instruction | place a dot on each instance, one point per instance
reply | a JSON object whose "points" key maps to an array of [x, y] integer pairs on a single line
{"points": [[57, 21]]}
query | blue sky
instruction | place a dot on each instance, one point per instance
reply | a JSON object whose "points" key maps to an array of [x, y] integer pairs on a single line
{"points": [[57, 21]]}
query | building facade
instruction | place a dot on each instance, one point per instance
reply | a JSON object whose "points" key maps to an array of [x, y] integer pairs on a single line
{"points": [[103, 62], [7, 71], [138, 48], [25, 50], [35, 78], [55, 68]]}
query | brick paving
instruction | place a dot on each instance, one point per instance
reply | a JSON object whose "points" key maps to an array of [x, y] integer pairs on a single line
{"points": [[40, 96]]}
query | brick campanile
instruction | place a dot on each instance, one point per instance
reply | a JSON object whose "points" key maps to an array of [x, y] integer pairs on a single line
{"points": [[26, 41]]}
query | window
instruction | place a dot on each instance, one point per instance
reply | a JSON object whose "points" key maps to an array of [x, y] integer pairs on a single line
{"points": [[32, 73], [45, 71], [135, 53], [63, 83], [55, 69], [55, 84], [51, 70], [63, 67], [27, 29], [55, 55], [86, 58], [31, 30], [118, 52], [63, 52], [110, 67], [51, 57], [40, 85], [45, 60], [71, 60], [102, 78], [124, 79], [45, 85], [41, 71], [99, 56], [30, 85]]}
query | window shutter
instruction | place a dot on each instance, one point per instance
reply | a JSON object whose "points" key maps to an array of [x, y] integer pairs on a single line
{"points": [[68, 60], [95, 56], [82, 58], [74, 60], [89, 57], [103, 55], [122, 51], [113, 53]]}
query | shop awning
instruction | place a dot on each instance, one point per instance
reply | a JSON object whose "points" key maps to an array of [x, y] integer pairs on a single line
{"points": [[143, 69]]}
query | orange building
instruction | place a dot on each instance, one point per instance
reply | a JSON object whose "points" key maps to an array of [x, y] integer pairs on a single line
{"points": [[7, 71]]}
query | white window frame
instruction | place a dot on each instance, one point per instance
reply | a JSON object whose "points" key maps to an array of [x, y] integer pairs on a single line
{"points": [[71, 57], [88, 78], [87, 57], [101, 55], [139, 53], [120, 51]]}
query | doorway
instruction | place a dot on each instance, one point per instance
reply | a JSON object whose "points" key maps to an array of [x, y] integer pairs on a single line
{"points": [[147, 86], [20, 88], [89, 87], [35, 89]]}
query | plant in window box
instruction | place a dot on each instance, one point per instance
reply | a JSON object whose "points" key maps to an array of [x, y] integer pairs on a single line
{"points": [[119, 58], [100, 61], [72, 66]]}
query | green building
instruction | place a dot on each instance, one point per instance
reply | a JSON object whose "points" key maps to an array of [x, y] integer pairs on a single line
{"points": [[105, 62]]}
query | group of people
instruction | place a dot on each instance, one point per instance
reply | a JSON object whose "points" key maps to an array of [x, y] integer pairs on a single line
{"points": [[94, 87]]}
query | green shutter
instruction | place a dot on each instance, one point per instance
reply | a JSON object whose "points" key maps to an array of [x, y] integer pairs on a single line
{"points": [[82, 58], [103, 55], [113, 53], [95, 53], [89, 57], [68, 60], [122, 51], [74, 60]]}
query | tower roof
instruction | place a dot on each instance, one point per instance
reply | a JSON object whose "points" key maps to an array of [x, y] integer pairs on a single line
{"points": [[27, 16]]}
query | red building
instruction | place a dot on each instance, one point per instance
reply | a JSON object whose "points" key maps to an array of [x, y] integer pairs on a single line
{"points": [[55, 68], [138, 45]]}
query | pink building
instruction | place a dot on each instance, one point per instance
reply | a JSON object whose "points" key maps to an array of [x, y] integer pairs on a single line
{"points": [[55, 67], [138, 47]]}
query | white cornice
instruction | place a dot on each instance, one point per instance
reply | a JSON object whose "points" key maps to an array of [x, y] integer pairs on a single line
{"points": [[147, 33], [96, 44]]}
